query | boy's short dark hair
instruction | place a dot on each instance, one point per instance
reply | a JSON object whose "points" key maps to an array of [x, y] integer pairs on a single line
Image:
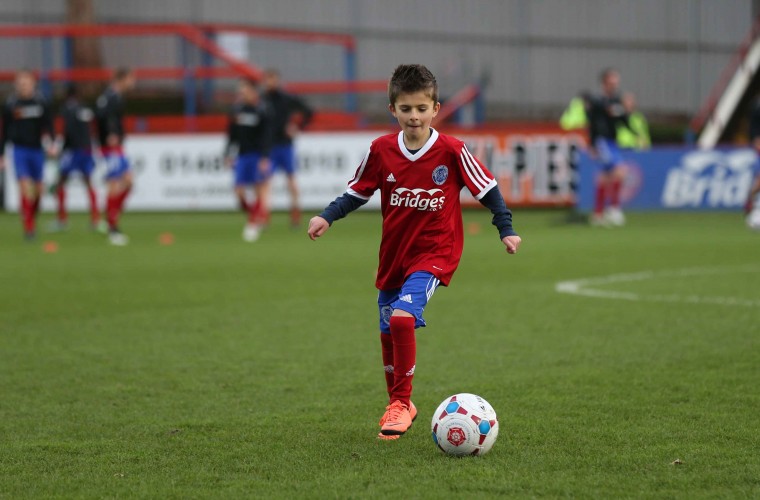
{"points": [[409, 78]]}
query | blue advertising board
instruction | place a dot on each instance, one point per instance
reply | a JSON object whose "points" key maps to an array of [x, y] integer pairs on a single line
{"points": [[677, 179]]}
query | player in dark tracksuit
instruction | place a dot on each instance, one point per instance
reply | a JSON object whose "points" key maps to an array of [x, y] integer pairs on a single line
{"points": [[605, 114], [28, 124], [109, 113], [289, 115], [249, 143], [76, 155]]}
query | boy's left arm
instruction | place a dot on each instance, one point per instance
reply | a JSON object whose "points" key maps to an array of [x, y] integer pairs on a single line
{"points": [[502, 219]]}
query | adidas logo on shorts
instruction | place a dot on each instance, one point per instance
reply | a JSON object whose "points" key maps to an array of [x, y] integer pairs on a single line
{"points": [[406, 298], [390, 178]]}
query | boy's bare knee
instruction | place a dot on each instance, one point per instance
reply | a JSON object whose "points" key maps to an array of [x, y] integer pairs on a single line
{"points": [[399, 312]]}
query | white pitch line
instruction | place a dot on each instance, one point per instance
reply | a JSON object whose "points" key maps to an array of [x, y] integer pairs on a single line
{"points": [[586, 286]]}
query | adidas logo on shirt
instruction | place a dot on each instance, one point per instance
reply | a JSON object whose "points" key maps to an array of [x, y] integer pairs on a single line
{"points": [[390, 178], [406, 298]]}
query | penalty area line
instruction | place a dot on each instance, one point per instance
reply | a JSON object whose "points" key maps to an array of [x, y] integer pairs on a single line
{"points": [[587, 287]]}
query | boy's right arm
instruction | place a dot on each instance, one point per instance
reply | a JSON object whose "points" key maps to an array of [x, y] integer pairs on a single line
{"points": [[342, 206]]}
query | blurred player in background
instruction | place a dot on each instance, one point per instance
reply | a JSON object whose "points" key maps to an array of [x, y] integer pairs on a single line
{"points": [[249, 143], [76, 156], [109, 112], [28, 124], [606, 114], [636, 134], [420, 174], [751, 208], [290, 115]]}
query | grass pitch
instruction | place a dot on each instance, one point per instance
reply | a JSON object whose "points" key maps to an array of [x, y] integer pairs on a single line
{"points": [[214, 368]]}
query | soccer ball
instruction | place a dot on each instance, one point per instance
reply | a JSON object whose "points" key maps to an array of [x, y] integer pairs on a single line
{"points": [[465, 424]]}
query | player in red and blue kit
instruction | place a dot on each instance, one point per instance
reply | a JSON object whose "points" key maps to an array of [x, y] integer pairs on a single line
{"points": [[606, 114], [290, 115], [76, 155], [28, 124], [250, 141], [109, 114], [419, 173]]}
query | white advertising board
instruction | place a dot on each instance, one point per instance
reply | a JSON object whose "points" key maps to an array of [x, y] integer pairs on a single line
{"points": [[186, 172]]}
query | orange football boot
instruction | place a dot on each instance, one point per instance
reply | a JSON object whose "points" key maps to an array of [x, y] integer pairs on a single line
{"points": [[412, 412], [396, 420], [393, 437]]}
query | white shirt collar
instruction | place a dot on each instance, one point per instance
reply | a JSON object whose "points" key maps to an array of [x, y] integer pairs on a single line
{"points": [[424, 149]]}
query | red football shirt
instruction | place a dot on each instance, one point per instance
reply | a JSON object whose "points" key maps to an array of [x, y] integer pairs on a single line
{"points": [[422, 217]]}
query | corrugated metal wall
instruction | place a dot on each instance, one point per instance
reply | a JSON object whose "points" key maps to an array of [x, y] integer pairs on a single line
{"points": [[536, 53]]}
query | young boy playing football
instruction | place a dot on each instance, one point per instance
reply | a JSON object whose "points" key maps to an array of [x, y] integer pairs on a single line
{"points": [[419, 173]]}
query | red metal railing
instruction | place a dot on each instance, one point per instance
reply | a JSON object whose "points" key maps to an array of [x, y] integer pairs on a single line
{"points": [[202, 36], [728, 72], [465, 96], [197, 35]]}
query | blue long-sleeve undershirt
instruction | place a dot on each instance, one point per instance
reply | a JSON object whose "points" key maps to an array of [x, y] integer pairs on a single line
{"points": [[502, 216], [342, 206]]}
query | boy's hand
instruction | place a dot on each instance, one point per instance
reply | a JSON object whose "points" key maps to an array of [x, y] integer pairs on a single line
{"points": [[512, 243], [317, 227]]}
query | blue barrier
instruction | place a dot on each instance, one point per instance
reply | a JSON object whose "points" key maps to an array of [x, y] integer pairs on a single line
{"points": [[677, 179]]}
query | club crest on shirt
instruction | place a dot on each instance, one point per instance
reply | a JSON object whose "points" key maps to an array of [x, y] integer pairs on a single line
{"points": [[440, 174]]}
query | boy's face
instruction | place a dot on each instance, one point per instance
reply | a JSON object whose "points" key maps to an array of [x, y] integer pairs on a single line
{"points": [[25, 85], [414, 112], [271, 81], [248, 93], [611, 82], [130, 82], [126, 84]]}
